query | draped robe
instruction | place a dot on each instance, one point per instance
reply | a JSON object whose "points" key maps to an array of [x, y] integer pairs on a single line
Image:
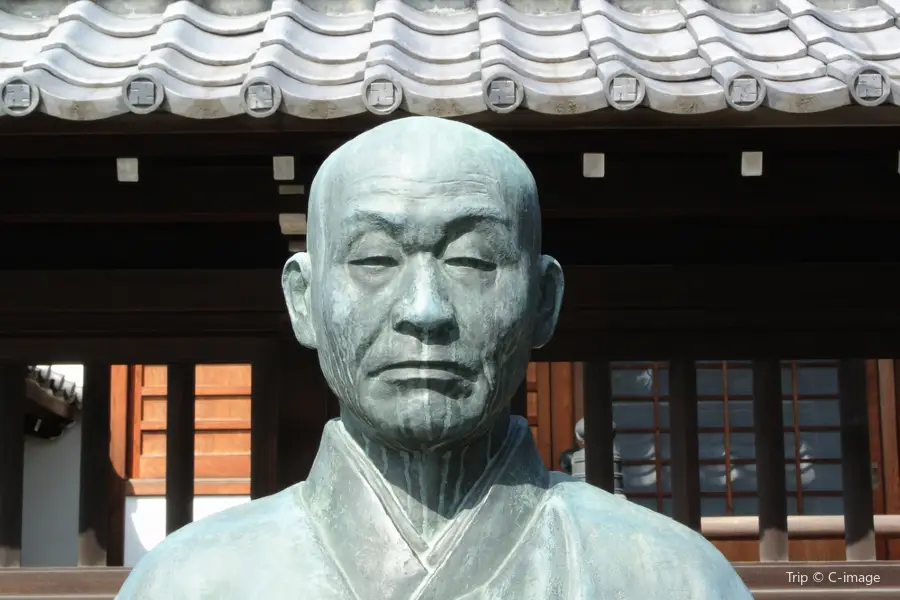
{"points": [[522, 534]]}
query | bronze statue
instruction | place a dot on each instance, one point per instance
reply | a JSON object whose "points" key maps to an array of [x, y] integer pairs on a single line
{"points": [[424, 291]]}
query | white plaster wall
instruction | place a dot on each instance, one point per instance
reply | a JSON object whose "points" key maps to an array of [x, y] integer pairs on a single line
{"points": [[50, 500], [50, 508], [145, 520]]}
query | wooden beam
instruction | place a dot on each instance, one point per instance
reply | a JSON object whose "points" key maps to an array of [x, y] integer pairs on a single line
{"points": [[684, 438], [223, 191], [667, 333], [12, 461], [226, 193], [239, 486], [653, 292], [598, 424], [585, 236], [264, 422], [120, 381], [164, 135], [727, 343], [877, 448], [188, 290], [768, 420], [890, 432], [96, 470], [174, 324], [82, 583], [180, 390], [130, 348], [686, 287], [856, 461]]}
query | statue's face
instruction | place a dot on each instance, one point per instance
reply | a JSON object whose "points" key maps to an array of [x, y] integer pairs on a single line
{"points": [[423, 299], [423, 290]]}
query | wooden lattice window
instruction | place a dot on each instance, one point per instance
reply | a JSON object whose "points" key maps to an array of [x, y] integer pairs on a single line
{"points": [[222, 421], [727, 443]]}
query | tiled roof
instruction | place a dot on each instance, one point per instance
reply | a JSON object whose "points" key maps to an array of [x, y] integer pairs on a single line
{"points": [[56, 383], [446, 58]]}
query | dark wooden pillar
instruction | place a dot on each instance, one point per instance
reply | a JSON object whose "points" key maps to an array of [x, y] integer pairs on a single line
{"points": [[598, 424], [180, 431], [519, 404], [303, 398], [12, 461], [96, 467], [768, 421], [120, 386], [859, 522], [264, 422], [685, 442]]}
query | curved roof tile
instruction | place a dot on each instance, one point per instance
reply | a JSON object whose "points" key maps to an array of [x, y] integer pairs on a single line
{"points": [[56, 383], [446, 58]]}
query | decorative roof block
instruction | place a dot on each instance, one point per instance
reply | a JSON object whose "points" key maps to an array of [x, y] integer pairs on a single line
{"points": [[317, 60]]}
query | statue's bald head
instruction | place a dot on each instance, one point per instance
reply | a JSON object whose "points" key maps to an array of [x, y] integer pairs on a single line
{"points": [[425, 149]]}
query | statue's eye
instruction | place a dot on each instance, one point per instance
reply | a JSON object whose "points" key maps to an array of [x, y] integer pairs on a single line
{"points": [[470, 263], [375, 261]]}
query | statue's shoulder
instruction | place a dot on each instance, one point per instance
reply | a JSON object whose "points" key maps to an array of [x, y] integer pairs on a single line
{"points": [[201, 559], [658, 552]]}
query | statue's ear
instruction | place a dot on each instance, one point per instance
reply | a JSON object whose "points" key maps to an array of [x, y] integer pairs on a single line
{"points": [[295, 282], [550, 290]]}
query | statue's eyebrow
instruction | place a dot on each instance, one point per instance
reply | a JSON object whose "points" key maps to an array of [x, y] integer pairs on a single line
{"points": [[465, 217], [366, 219]]}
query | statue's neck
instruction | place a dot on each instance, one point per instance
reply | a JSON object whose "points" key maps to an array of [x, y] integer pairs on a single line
{"points": [[431, 486]]}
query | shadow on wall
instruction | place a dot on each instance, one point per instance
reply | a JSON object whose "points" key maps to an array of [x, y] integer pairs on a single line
{"points": [[50, 503]]}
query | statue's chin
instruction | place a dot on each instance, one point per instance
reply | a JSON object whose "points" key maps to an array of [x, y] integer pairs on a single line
{"points": [[422, 437], [429, 429]]}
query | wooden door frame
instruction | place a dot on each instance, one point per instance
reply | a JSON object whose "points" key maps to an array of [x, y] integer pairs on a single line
{"points": [[887, 432]]}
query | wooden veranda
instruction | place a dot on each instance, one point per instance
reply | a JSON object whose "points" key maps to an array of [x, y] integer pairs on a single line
{"points": [[182, 268]]}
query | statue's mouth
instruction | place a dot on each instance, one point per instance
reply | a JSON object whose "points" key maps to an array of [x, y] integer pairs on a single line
{"points": [[425, 370]]}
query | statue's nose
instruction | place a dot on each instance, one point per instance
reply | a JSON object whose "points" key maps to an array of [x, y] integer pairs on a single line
{"points": [[425, 311]]}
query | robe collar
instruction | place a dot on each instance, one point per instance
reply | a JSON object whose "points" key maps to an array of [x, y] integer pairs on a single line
{"points": [[365, 532]]}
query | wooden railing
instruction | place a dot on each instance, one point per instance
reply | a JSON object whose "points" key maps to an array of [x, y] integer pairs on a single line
{"points": [[767, 581], [798, 527]]}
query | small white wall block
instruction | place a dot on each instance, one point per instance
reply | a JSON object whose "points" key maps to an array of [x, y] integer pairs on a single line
{"points": [[594, 165], [292, 223], [283, 168], [127, 169], [291, 190], [898, 162], [751, 164], [297, 245]]}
